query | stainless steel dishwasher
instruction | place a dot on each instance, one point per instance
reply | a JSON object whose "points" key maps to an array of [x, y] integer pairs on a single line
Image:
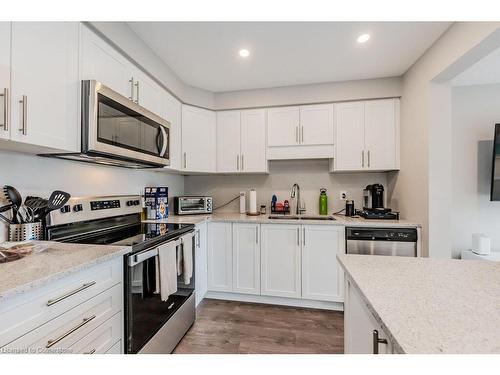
{"points": [[382, 241]]}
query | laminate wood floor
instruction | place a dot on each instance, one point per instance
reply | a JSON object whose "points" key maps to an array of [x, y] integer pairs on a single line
{"points": [[228, 327]]}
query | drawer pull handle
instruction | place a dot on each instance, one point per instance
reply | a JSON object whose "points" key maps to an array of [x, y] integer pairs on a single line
{"points": [[51, 343], [90, 352], [171, 305], [51, 302], [376, 341]]}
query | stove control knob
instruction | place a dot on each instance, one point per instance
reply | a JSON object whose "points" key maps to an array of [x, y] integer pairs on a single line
{"points": [[137, 202], [77, 208], [130, 203], [66, 209]]}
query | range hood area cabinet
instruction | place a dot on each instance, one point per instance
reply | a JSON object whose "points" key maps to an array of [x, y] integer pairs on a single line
{"points": [[39, 71], [241, 141], [300, 132], [366, 136]]}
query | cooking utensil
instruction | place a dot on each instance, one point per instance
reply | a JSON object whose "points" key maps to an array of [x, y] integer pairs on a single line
{"points": [[56, 201], [5, 208], [25, 215], [14, 198], [5, 220], [39, 205]]}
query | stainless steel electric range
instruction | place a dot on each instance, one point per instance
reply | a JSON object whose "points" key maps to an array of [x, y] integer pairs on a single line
{"points": [[151, 325]]}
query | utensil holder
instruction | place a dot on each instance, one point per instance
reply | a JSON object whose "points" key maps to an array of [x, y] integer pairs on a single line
{"points": [[26, 232]]}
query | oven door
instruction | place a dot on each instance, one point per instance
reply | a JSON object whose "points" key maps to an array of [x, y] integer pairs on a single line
{"points": [[114, 125], [192, 205], [148, 318]]}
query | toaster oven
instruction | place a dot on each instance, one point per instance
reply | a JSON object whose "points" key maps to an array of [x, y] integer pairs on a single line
{"points": [[191, 205]]}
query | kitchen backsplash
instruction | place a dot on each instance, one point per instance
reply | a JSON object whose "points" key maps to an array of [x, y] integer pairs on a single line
{"points": [[311, 175]]}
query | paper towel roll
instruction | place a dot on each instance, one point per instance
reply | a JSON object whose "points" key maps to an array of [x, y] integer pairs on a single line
{"points": [[243, 202], [253, 202]]}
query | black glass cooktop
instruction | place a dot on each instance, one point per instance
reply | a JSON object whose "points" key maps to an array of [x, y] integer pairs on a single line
{"points": [[123, 231]]}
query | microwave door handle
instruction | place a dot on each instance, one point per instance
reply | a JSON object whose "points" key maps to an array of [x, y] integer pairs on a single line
{"points": [[165, 141]]}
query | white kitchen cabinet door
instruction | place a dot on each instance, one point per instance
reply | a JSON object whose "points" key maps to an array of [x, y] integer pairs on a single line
{"points": [[220, 257], [198, 140], [253, 141], [103, 63], [149, 94], [280, 260], [381, 134], [246, 258], [228, 142], [4, 79], [349, 136], [316, 124], [200, 261], [174, 117], [283, 126], [359, 324], [321, 274], [45, 84]]}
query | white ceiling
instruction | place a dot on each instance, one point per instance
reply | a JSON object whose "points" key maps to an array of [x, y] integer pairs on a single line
{"points": [[485, 71], [205, 54]]}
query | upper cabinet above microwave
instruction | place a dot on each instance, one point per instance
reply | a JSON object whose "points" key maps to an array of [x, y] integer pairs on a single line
{"points": [[366, 136], [101, 62], [40, 106], [300, 132]]}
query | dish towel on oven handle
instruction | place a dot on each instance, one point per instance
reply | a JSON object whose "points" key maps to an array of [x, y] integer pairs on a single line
{"points": [[167, 265], [187, 257]]}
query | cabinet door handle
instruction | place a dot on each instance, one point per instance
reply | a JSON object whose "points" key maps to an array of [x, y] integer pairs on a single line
{"points": [[376, 341], [51, 302], [51, 343], [363, 158], [185, 161], [24, 115], [237, 162], [368, 158], [5, 109], [296, 134], [242, 162], [298, 236], [304, 236], [302, 134], [137, 91], [198, 243], [131, 81], [257, 235]]}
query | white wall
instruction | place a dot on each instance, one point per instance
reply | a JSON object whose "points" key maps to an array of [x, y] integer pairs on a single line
{"points": [[311, 175], [314, 93], [34, 175], [475, 111]]}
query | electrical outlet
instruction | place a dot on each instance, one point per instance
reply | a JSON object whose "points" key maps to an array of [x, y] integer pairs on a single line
{"points": [[343, 195]]}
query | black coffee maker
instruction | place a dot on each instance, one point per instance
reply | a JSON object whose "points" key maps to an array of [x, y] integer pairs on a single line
{"points": [[373, 197]]}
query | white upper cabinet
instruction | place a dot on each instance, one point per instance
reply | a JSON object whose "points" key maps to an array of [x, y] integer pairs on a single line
{"points": [[316, 124], [253, 141], [367, 136], [246, 258], [321, 274], [280, 260], [149, 94], [45, 84], [241, 141], [382, 134], [4, 79], [101, 62], [349, 136], [173, 115], [198, 140], [228, 141], [283, 126]]}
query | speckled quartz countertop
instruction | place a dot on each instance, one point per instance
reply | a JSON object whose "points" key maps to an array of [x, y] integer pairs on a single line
{"points": [[59, 260], [264, 219], [431, 305]]}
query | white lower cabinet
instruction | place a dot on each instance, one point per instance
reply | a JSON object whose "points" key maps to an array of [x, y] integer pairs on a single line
{"points": [[280, 260], [200, 262], [321, 275], [246, 258], [360, 327], [220, 257]]}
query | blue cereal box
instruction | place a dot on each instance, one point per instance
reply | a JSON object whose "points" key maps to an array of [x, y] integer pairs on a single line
{"points": [[156, 199]]}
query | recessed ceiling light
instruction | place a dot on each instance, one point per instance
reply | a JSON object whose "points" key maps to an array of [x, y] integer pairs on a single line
{"points": [[244, 52], [363, 38]]}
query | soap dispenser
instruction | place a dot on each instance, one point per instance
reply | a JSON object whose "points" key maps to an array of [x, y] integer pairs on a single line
{"points": [[323, 202]]}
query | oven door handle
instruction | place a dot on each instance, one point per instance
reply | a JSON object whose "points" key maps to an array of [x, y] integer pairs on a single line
{"points": [[141, 257]]}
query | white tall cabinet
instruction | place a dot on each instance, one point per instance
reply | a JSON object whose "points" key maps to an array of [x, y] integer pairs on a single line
{"points": [[246, 258], [198, 140], [4, 79], [367, 136]]}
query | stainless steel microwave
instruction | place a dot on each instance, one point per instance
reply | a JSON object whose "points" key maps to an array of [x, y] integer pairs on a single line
{"points": [[117, 131], [190, 205]]}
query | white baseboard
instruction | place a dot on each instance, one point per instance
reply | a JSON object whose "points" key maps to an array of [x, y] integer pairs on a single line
{"points": [[337, 306]]}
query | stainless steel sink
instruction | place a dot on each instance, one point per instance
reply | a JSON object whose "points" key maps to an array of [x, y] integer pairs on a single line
{"points": [[286, 217]]}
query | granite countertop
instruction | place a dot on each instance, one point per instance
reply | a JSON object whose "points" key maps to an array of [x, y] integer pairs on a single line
{"points": [[59, 260], [264, 219], [428, 305]]}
